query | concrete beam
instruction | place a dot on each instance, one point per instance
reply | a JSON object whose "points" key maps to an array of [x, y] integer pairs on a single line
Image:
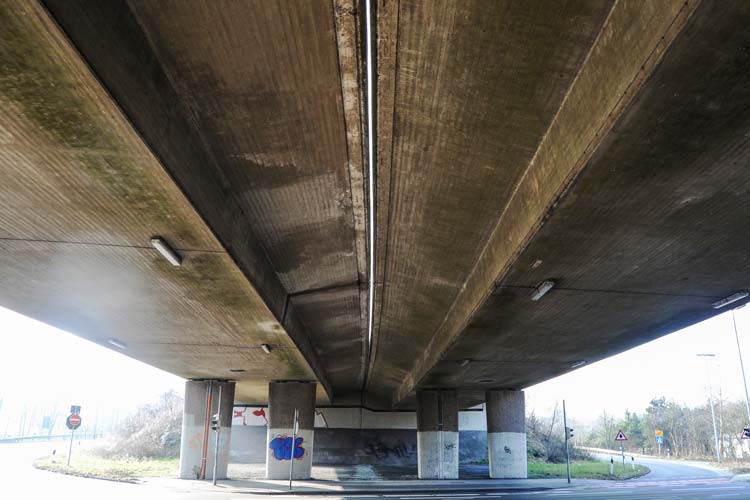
{"points": [[348, 38], [146, 92], [630, 45]]}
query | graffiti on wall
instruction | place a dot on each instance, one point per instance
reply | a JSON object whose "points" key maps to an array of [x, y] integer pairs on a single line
{"points": [[261, 413], [382, 450], [246, 415], [281, 445]]}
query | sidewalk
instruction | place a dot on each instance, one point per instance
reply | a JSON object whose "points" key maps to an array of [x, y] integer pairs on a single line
{"points": [[328, 487]]}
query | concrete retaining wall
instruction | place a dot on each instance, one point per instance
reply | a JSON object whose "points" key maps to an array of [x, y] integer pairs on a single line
{"points": [[355, 446], [346, 436]]}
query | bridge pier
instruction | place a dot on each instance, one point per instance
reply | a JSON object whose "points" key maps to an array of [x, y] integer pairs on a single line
{"points": [[283, 398], [198, 441], [506, 434], [437, 434]]}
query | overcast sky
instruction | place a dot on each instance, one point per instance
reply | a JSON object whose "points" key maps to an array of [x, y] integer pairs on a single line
{"points": [[39, 360]]}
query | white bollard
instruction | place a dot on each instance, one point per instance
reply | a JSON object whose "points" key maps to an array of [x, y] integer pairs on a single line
{"points": [[611, 466], [632, 462]]}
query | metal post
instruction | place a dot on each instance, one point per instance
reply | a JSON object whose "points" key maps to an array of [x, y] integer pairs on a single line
{"points": [[711, 403], [567, 450], [218, 430], [441, 456], [742, 366], [294, 440], [70, 448], [622, 452]]}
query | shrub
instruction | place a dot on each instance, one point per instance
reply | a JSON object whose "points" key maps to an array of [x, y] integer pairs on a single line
{"points": [[152, 431]]}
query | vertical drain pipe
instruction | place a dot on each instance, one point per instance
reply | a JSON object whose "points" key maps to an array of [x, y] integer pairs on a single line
{"points": [[204, 455]]}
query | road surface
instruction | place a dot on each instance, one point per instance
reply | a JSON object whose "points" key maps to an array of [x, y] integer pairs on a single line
{"points": [[667, 470], [19, 480]]}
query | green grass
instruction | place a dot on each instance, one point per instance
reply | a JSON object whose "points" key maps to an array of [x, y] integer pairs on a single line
{"points": [[584, 469], [114, 469]]}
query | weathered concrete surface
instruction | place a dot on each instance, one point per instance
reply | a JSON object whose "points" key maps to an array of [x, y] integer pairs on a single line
{"points": [[353, 435], [437, 434], [473, 93], [506, 434], [202, 400], [649, 235], [283, 399], [628, 48], [597, 143], [267, 147], [81, 197]]}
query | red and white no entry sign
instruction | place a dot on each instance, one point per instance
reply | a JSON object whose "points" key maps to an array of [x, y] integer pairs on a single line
{"points": [[74, 421]]}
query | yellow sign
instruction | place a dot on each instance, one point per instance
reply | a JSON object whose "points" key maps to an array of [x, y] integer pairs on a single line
{"points": [[658, 433]]}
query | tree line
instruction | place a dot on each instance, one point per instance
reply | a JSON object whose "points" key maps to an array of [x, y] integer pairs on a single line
{"points": [[688, 431]]}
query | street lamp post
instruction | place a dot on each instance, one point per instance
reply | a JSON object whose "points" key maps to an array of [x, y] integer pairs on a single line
{"points": [[711, 403]]}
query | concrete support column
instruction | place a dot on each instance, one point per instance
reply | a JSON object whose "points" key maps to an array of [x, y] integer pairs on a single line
{"points": [[506, 434], [437, 434], [283, 398], [198, 440]]}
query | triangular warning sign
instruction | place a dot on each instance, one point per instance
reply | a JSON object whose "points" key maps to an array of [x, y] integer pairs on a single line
{"points": [[621, 436]]}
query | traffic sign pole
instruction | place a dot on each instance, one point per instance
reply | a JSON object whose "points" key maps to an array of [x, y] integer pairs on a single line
{"points": [[294, 439], [73, 422], [218, 430], [659, 437], [567, 449], [70, 448], [621, 438]]}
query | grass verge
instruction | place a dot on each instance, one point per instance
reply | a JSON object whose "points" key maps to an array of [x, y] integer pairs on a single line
{"points": [[584, 469], [113, 469]]}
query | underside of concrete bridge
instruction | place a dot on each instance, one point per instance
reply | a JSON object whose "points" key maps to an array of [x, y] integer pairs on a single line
{"points": [[602, 146]]}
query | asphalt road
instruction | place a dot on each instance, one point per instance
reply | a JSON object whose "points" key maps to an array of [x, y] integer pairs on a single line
{"points": [[19, 480], [668, 469]]}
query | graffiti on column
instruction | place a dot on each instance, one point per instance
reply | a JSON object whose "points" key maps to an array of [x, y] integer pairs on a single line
{"points": [[281, 445]]}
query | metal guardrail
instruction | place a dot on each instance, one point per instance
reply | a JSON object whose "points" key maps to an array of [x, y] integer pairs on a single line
{"points": [[57, 437]]}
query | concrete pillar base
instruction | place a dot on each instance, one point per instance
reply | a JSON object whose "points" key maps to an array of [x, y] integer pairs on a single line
{"points": [[438, 455], [198, 440], [437, 434], [283, 398], [506, 434]]}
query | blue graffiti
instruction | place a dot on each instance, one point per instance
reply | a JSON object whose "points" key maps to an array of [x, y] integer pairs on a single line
{"points": [[282, 448]]}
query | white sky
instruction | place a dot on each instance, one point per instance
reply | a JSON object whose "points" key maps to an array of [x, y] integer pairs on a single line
{"points": [[664, 367], [41, 363]]}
